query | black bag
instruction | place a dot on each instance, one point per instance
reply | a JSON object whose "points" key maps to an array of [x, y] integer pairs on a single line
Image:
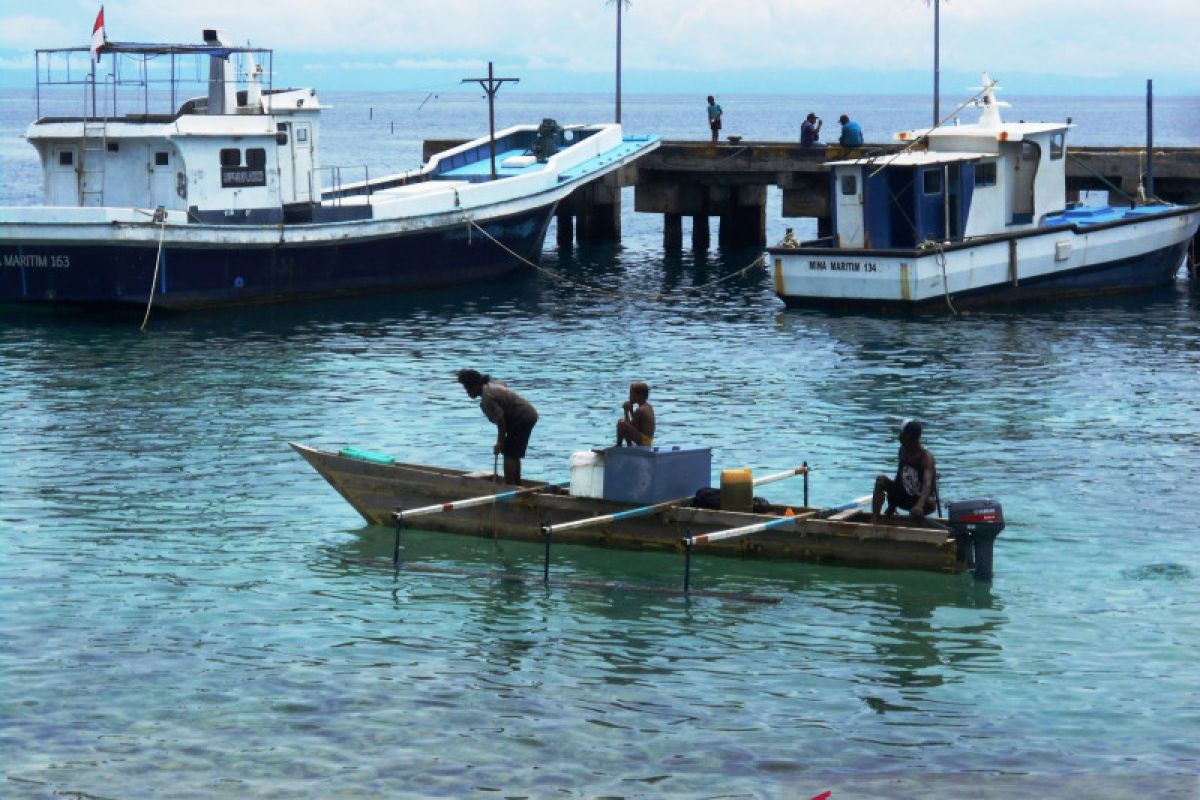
{"points": [[707, 498]]}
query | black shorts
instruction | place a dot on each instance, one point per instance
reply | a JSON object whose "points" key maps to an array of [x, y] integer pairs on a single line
{"points": [[905, 501], [516, 438]]}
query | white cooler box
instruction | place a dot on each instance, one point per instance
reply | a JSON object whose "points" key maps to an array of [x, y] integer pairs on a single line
{"points": [[587, 474]]}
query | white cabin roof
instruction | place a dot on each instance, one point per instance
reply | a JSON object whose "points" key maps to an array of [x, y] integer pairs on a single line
{"points": [[914, 158]]}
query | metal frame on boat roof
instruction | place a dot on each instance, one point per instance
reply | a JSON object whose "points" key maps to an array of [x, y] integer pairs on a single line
{"points": [[142, 53]]}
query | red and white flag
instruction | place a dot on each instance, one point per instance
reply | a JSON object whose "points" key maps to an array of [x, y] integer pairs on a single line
{"points": [[98, 35]]}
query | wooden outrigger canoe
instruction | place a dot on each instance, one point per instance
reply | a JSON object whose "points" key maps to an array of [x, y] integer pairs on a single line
{"points": [[377, 490]]}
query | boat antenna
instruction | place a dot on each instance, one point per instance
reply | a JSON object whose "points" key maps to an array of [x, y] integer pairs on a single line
{"points": [[984, 95], [491, 85]]}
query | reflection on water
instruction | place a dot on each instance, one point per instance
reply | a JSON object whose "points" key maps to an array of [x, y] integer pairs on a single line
{"points": [[163, 547]]}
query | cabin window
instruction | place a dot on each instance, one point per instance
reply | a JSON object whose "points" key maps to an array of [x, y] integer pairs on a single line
{"points": [[1056, 147], [301, 134], [281, 138], [931, 181], [849, 184], [66, 158], [113, 147], [231, 157], [985, 174], [161, 159], [281, 133], [256, 158]]}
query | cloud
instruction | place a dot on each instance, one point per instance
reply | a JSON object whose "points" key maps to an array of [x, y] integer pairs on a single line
{"points": [[1080, 37]]}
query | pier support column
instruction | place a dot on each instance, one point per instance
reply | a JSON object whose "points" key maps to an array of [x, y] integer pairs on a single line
{"points": [[700, 237], [672, 231], [566, 229], [744, 226], [599, 214], [824, 227]]}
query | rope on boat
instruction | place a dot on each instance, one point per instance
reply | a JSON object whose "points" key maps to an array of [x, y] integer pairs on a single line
{"points": [[160, 216], [562, 279], [940, 257], [1112, 186], [925, 135]]}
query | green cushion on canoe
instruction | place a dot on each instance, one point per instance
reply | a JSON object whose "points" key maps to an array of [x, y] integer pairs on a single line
{"points": [[366, 455]]}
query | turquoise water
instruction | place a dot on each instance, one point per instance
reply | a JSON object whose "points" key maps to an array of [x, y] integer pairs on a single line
{"points": [[185, 608]]}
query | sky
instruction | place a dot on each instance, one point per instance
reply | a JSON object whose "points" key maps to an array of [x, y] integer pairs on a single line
{"points": [[1075, 47]]}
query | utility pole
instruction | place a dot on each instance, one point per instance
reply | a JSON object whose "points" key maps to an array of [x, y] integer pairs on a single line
{"points": [[491, 85], [937, 64]]}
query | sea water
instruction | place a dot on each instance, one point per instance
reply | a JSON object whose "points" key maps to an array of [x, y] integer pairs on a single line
{"points": [[188, 610]]}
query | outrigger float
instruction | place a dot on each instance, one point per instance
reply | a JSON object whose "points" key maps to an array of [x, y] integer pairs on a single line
{"points": [[386, 492], [150, 196]]}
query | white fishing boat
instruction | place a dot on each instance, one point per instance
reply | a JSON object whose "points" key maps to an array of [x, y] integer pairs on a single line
{"points": [[974, 215], [222, 198]]}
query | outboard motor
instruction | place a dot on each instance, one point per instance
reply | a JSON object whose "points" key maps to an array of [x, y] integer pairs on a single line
{"points": [[976, 524], [546, 143]]}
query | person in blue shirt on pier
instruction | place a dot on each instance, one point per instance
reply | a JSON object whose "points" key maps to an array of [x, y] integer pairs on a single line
{"points": [[714, 117], [852, 135]]}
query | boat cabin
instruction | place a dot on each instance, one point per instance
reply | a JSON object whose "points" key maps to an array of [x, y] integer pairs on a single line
{"points": [[241, 153], [953, 183]]}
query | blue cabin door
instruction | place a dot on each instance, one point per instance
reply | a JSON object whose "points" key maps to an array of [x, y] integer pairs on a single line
{"points": [[931, 212]]}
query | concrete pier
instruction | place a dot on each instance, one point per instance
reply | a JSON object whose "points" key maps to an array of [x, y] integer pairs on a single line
{"points": [[730, 180]]}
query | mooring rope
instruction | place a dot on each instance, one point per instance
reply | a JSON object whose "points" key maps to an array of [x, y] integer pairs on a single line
{"points": [[160, 216], [557, 276], [940, 257]]}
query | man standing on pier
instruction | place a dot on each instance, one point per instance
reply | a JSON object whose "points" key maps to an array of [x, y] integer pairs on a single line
{"points": [[714, 118]]}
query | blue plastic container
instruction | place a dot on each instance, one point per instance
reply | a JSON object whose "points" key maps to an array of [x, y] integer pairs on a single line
{"points": [[647, 475]]}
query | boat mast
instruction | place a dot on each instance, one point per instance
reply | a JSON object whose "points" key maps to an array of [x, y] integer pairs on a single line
{"points": [[491, 85]]}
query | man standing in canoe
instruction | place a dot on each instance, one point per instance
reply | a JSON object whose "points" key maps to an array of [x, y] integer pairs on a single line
{"points": [[512, 414], [913, 487]]}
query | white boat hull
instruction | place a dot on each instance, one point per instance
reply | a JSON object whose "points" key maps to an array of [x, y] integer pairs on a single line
{"points": [[1036, 264]]}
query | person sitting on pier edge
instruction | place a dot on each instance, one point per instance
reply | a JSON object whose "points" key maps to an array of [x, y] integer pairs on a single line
{"points": [[714, 117], [637, 427], [512, 414], [913, 487], [852, 135], [810, 131]]}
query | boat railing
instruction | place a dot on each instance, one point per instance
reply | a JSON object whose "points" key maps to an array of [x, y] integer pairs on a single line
{"points": [[142, 75], [336, 190]]}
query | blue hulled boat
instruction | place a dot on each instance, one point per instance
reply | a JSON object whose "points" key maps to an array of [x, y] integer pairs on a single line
{"points": [[222, 199]]}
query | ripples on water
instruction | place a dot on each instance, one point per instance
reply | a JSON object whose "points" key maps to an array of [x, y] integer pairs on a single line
{"points": [[187, 610]]}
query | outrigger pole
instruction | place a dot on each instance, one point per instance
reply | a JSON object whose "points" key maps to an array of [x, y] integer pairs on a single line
{"points": [[549, 530], [400, 514], [691, 541]]}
